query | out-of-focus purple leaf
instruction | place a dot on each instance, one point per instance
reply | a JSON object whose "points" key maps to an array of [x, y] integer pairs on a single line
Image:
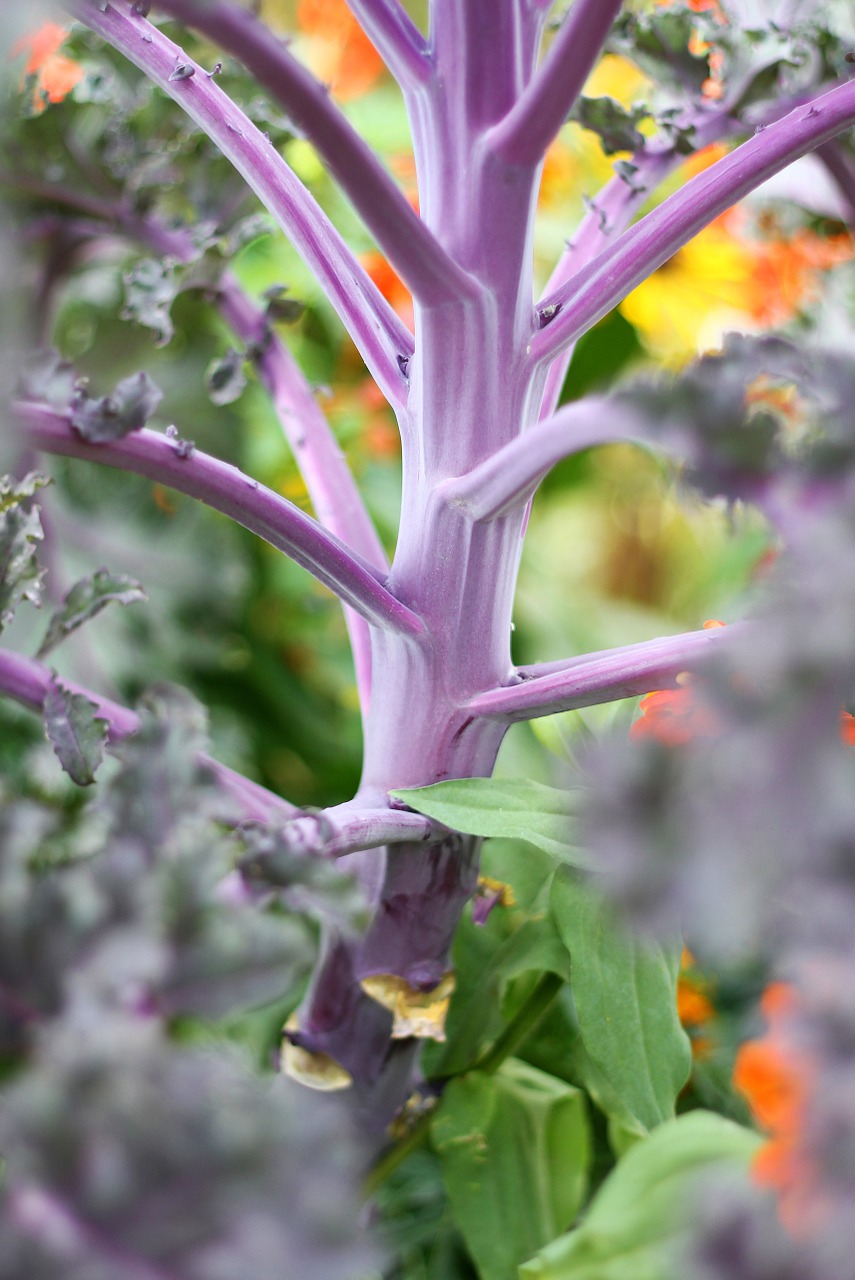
{"points": [[20, 536], [128, 409], [86, 599], [77, 734]]}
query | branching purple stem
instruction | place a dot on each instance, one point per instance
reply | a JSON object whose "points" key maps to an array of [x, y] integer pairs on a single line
{"points": [[226, 489], [395, 37], [534, 120], [351, 827], [27, 682], [410, 246], [329, 482], [614, 273], [610, 214], [510, 477], [377, 332], [597, 677]]}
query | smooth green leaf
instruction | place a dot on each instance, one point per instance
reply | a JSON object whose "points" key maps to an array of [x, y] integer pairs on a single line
{"points": [[76, 733], [475, 1015], [86, 599], [625, 991], [637, 1220], [516, 808], [515, 1150]]}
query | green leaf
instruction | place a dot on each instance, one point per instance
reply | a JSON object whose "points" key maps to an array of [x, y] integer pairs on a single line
{"points": [[48, 378], [515, 1151], [151, 287], [639, 1216], [128, 409], [281, 308], [225, 378], [659, 43], [514, 807], [20, 534], [76, 733], [625, 991], [86, 599], [617, 127], [475, 1015]]}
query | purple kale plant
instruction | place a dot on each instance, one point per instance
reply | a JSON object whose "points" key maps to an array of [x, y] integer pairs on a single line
{"points": [[511, 1079]]}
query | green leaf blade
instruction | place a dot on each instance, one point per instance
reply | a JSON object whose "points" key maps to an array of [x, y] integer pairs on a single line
{"points": [[638, 1219], [625, 992], [514, 808], [515, 1150]]}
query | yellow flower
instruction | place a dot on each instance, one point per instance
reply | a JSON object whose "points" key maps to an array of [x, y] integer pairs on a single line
{"points": [[696, 296]]}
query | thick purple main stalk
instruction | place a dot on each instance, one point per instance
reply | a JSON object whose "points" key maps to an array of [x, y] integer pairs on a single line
{"points": [[466, 392]]}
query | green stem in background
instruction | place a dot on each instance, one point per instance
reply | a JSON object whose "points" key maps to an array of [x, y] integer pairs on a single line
{"points": [[514, 1035], [521, 1024]]}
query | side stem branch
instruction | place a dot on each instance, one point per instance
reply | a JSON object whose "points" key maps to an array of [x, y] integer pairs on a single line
{"points": [[510, 477], [28, 681], [527, 130], [597, 677], [226, 489], [396, 38], [377, 332], [633, 256], [410, 246]]}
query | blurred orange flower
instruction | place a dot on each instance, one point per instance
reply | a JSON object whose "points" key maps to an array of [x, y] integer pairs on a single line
{"points": [[337, 49], [695, 1009], [55, 74], [390, 284], [847, 728], [785, 272], [776, 1080], [676, 716]]}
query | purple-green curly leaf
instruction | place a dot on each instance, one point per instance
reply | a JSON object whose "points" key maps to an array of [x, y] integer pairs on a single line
{"points": [[111, 417], [86, 599], [76, 733], [20, 535]]}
